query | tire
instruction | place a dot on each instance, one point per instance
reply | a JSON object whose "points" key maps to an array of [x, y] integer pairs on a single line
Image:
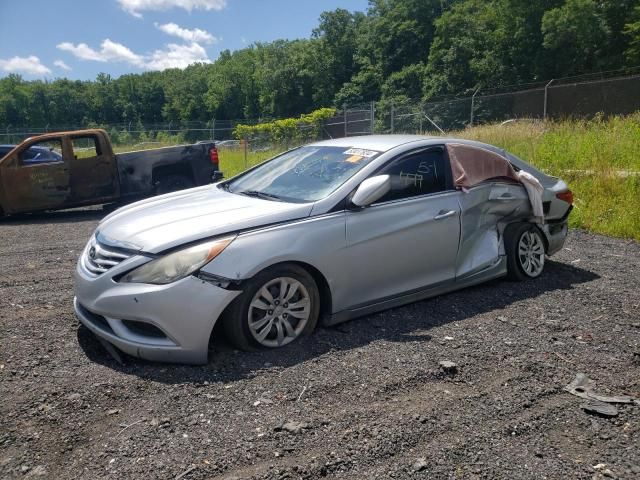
{"points": [[173, 183], [252, 322], [525, 250]]}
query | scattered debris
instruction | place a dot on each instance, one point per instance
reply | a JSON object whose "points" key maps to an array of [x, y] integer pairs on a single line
{"points": [[186, 472], [601, 408], [448, 367], [562, 357], [292, 427], [113, 411], [38, 471], [304, 389], [131, 425], [420, 464], [582, 387]]}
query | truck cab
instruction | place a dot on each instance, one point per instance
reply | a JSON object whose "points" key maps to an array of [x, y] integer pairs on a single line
{"points": [[59, 170]]}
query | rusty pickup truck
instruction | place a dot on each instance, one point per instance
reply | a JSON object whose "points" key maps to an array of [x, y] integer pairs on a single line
{"points": [[78, 168]]}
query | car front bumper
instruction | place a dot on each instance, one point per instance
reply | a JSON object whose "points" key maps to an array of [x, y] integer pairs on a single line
{"points": [[169, 323]]}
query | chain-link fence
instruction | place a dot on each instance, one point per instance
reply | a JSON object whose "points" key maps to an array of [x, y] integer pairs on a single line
{"points": [[577, 97], [609, 93]]}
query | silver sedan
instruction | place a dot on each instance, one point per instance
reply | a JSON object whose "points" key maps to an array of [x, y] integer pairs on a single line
{"points": [[322, 233]]}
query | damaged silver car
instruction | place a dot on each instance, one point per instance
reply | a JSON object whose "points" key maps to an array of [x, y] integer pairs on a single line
{"points": [[322, 233]]}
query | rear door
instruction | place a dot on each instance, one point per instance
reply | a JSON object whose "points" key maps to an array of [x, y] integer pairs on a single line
{"points": [[94, 175], [408, 240], [36, 177]]}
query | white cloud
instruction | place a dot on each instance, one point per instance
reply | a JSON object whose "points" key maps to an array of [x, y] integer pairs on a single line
{"points": [[60, 64], [109, 52], [172, 56], [82, 51], [134, 7], [113, 51], [30, 65], [195, 35], [177, 56]]}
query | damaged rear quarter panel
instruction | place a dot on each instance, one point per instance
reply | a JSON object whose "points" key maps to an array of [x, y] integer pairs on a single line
{"points": [[486, 210]]}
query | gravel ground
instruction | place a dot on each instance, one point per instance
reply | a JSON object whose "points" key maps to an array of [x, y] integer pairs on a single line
{"points": [[366, 399]]}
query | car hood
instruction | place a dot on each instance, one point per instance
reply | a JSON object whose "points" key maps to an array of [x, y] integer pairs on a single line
{"points": [[167, 221]]}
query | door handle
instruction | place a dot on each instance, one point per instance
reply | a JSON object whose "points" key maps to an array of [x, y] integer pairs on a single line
{"points": [[504, 198], [444, 214]]}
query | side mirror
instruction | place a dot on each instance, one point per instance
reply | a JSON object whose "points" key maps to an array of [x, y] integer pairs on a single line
{"points": [[371, 189]]}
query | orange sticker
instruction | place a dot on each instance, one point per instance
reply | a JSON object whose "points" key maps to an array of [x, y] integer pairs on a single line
{"points": [[354, 159]]}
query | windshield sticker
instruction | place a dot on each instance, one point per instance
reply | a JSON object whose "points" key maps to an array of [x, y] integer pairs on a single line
{"points": [[354, 158], [361, 152]]}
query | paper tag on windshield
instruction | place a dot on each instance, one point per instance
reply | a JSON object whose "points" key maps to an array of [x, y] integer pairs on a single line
{"points": [[361, 152]]}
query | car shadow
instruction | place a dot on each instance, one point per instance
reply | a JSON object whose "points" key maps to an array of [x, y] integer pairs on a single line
{"points": [[403, 324]]}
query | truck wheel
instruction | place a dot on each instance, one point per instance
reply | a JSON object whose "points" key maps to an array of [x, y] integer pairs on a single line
{"points": [[173, 183]]}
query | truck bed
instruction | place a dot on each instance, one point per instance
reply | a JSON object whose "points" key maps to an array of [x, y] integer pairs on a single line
{"points": [[141, 170]]}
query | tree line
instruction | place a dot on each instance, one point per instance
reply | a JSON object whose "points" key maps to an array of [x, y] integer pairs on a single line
{"points": [[398, 49]]}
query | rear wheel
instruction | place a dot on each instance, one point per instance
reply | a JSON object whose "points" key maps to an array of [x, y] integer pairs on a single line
{"points": [[525, 250], [278, 306], [173, 183]]}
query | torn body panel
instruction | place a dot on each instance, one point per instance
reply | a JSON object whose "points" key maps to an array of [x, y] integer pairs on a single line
{"points": [[486, 210]]}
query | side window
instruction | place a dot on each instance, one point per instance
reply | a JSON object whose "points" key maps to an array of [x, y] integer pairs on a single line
{"points": [[416, 174], [85, 147], [47, 151]]}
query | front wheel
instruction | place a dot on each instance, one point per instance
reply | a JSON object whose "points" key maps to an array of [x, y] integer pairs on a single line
{"points": [[278, 306], [524, 246]]}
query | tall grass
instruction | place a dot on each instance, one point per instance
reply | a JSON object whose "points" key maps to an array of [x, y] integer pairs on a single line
{"points": [[234, 160]]}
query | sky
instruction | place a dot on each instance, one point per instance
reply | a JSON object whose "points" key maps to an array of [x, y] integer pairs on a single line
{"points": [[77, 39]]}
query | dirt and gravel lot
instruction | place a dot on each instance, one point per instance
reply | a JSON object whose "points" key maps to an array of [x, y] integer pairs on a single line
{"points": [[366, 399]]}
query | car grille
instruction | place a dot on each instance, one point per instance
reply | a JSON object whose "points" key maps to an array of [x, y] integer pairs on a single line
{"points": [[98, 258]]}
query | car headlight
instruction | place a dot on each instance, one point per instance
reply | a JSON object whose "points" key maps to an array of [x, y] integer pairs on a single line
{"points": [[179, 264]]}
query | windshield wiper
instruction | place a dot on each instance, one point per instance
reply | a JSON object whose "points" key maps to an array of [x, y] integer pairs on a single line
{"points": [[259, 194]]}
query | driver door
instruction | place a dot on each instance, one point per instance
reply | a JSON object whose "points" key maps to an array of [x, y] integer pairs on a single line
{"points": [[36, 177], [408, 240]]}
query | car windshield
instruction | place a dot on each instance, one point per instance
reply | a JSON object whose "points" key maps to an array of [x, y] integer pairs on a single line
{"points": [[306, 174]]}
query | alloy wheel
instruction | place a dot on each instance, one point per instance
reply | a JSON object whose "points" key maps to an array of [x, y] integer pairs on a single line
{"points": [[531, 253], [279, 312]]}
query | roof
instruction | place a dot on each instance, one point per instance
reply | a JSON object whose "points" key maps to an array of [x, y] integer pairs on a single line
{"points": [[381, 143]]}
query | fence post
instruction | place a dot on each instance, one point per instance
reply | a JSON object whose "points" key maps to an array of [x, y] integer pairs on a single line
{"points": [[345, 119], [245, 153], [373, 117], [213, 129], [393, 111], [473, 100], [546, 98]]}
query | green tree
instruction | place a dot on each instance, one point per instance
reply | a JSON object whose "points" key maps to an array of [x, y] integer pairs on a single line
{"points": [[574, 36], [632, 32]]}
